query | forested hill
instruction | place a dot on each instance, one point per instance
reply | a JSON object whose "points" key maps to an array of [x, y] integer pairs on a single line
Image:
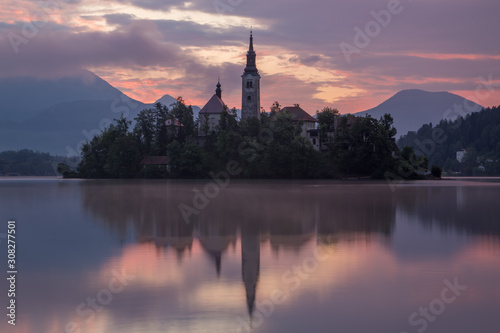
{"points": [[29, 163], [478, 134]]}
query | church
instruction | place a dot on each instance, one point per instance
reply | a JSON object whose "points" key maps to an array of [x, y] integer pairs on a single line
{"points": [[209, 115]]}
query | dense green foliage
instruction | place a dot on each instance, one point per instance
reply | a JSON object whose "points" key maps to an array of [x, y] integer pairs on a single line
{"points": [[363, 145], [436, 171], [28, 163], [477, 133], [271, 147]]}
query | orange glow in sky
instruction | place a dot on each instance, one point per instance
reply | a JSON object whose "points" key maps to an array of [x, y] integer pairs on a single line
{"points": [[298, 65]]}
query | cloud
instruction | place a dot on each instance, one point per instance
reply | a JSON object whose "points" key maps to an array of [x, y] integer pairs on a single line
{"points": [[48, 52], [153, 4], [427, 45], [119, 19], [310, 60]]}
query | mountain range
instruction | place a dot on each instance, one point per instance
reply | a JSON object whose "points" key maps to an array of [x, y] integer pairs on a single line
{"points": [[58, 115], [62, 113], [23, 98], [413, 108]]}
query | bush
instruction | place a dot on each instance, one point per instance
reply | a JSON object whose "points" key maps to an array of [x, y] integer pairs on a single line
{"points": [[436, 171], [66, 171]]}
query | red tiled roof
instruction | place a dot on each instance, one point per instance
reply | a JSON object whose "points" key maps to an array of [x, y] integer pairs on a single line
{"points": [[155, 160], [298, 114], [214, 105]]}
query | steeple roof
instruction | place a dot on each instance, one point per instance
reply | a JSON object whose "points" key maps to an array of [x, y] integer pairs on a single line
{"points": [[250, 49], [251, 56], [218, 91], [214, 105]]}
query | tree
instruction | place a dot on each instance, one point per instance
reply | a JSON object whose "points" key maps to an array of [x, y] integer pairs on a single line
{"points": [[145, 130], [269, 147], [327, 116], [184, 114], [479, 131], [227, 121], [185, 160], [252, 126], [162, 136], [26, 162], [115, 153], [326, 119], [363, 145], [436, 171], [124, 157], [66, 171], [408, 163], [469, 164], [275, 108], [284, 128]]}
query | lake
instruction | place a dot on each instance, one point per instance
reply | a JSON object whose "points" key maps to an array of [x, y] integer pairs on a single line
{"points": [[252, 256]]}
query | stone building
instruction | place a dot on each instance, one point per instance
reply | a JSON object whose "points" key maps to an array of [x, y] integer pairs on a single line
{"points": [[209, 116], [250, 90], [308, 124]]}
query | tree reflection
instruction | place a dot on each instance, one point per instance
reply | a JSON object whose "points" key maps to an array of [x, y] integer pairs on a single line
{"points": [[287, 214]]}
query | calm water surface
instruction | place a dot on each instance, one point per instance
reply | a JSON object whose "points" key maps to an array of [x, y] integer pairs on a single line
{"points": [[119, 256]]}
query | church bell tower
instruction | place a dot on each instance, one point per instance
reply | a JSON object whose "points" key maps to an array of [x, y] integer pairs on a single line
{"points": [[250, 91]]}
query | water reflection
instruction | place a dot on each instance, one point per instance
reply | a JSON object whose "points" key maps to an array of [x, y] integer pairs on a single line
{"points": [[290, 214], [387, 254], [462, 207], [287, 215]]}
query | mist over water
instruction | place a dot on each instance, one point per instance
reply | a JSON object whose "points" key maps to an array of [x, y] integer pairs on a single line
{"points": [[261, 256]]}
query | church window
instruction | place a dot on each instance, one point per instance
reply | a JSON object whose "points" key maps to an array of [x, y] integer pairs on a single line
{"points": [[249, 98]]}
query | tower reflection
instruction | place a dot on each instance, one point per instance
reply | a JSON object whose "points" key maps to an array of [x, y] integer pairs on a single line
{"points": [[284, 214]]}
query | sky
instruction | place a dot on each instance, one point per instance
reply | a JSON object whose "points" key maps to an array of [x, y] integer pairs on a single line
{"points": [[347, 54]]}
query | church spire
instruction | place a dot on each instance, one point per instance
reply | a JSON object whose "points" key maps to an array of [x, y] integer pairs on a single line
{"points": [[250, 93], [218, 91], [251, 55], [250, 49]]}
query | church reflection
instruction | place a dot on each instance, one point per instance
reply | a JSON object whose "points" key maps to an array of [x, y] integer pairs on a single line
{"points": [[286, 215], [250, 265], [279, 213], [215, 238]]}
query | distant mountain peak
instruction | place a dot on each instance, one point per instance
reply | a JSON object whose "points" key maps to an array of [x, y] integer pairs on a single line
{"points": [[415, 92], [25, 97], [411, 108], [166, 100]]}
